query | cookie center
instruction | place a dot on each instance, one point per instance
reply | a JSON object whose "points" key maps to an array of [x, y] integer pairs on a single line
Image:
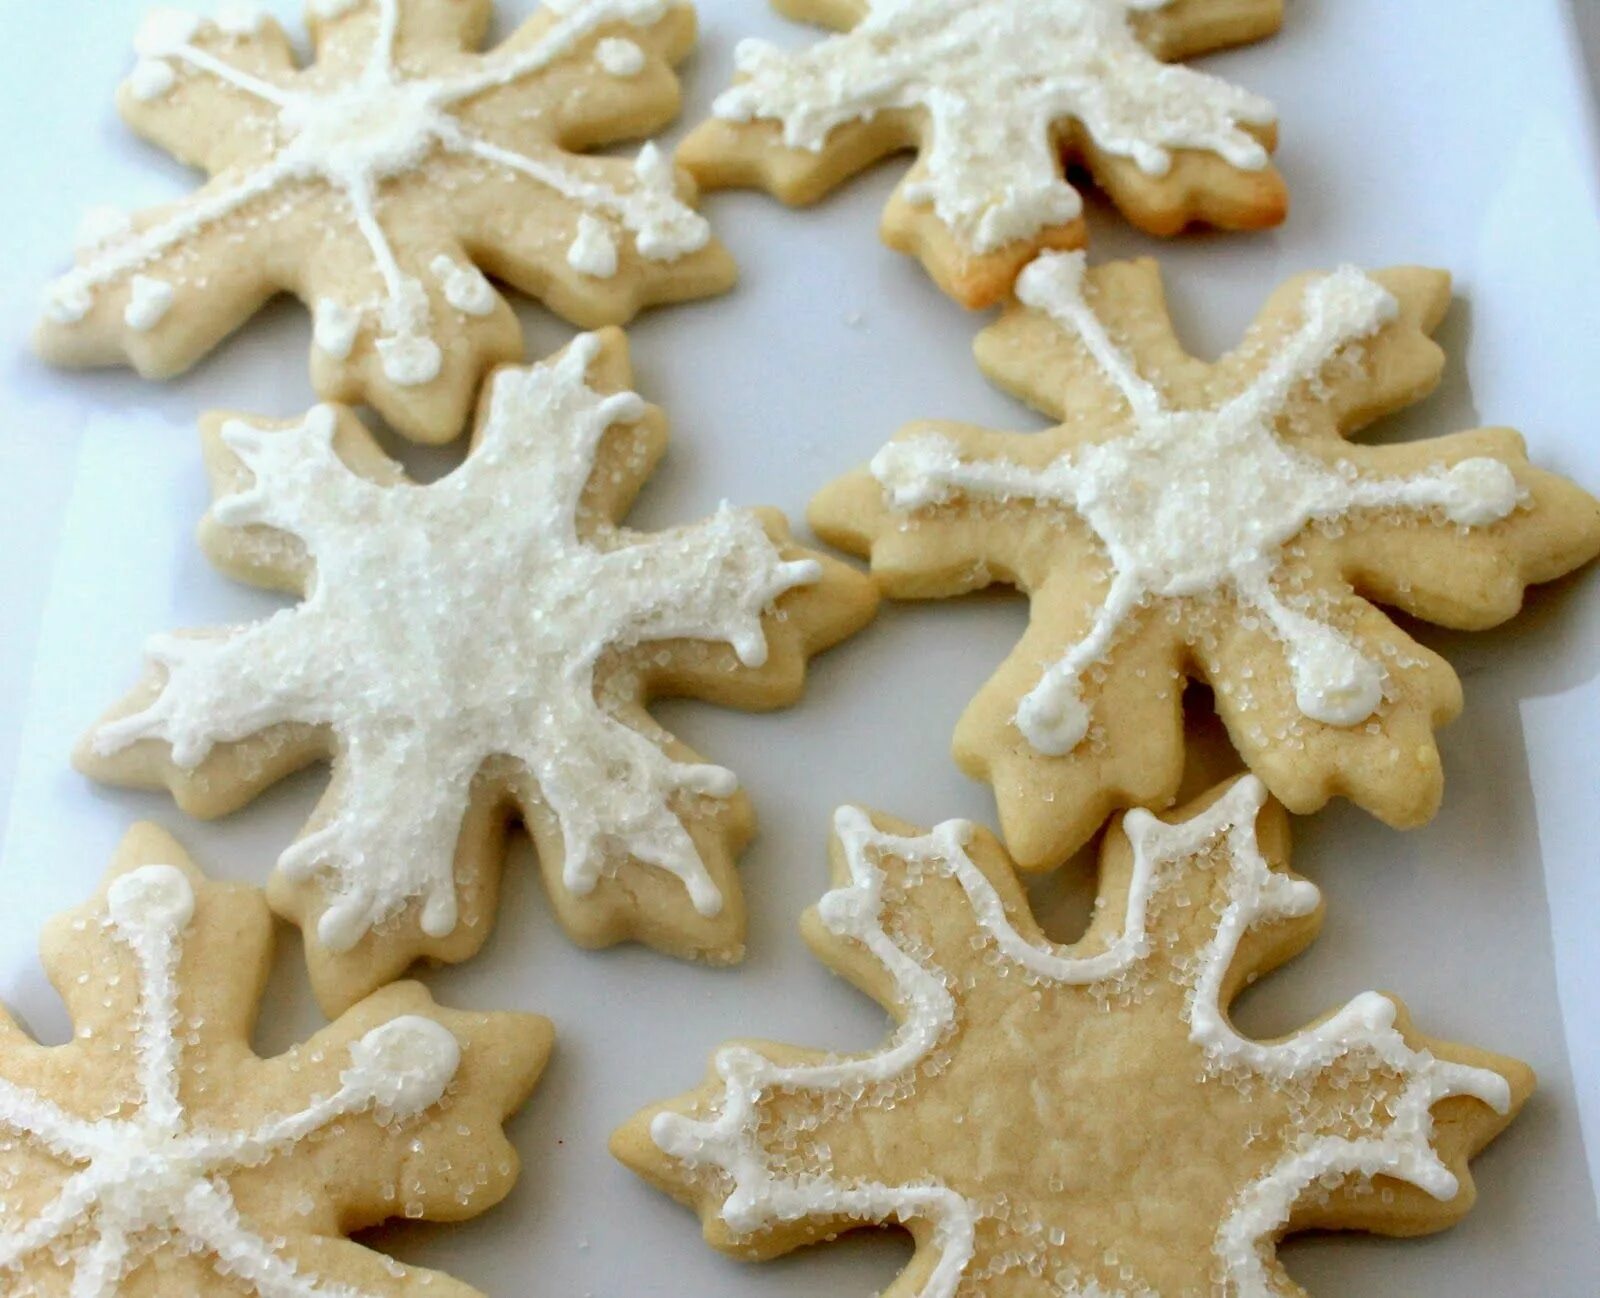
{"points": [[144, 1186], [368, 131], [1194, 494]]}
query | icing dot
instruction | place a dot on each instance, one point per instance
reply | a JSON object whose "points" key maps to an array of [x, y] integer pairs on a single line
{"points": [[465, 287], [334, 327], [1480, 491], [148, 301], [151, 78], [619, 57], [1333, 681], [1053, 717], [439, 913], [404, 1065], [151, 897], [654, 168], [593, 251], [165, 30], [410, 359], [713, 781]]}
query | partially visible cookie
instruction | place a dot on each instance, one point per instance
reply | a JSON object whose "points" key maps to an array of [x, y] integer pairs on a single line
{"points": [[998, 97], [1079, 1119], [155, 1154], [382, 182], [478, 648], [1187, 519]]}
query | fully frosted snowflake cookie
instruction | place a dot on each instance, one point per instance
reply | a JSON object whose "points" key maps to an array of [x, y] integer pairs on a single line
{"points": [[998, 97], [475, 649], [155, 1154], [380, 183], [1079, 1120], [1210, 521]]}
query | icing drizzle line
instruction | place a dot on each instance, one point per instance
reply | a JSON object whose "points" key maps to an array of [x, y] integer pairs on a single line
{"points": [[353, 138], [995, 77], [153, 1179], [728, 1142], [468, 619], [1199, 503]]}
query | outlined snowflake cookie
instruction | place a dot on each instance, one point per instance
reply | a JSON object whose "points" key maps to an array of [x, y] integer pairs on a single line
{"points": [[157, 1154], [1210, 521], [998, 97], [1079, 1120], [380, 183], [476, 648]]}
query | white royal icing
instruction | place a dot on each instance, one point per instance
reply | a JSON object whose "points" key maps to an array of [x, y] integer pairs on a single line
{"points": [[465, 287], [620, 57], [148, 301], [764, 1189], [334, 327], [593, 251], [151, 78], [995, 78], [153, 1180], [357, 135], [466, 619], [1199, 503]]}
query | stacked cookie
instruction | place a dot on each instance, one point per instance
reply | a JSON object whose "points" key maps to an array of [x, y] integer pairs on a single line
{"points": [[1075, 1119]]}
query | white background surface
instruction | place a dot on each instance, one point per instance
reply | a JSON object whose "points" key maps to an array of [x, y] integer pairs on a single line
{"points": [[1455, 132]]}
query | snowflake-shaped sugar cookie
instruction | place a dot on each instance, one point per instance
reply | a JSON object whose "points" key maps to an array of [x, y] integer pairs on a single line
{"points": [[380, 183], [1211, 521], [481, 644], [1082, 1121], [156, 1154], [998, 97]]}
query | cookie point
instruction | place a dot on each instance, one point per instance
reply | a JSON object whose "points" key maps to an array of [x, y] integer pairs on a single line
{"points": [[153, 896]]}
